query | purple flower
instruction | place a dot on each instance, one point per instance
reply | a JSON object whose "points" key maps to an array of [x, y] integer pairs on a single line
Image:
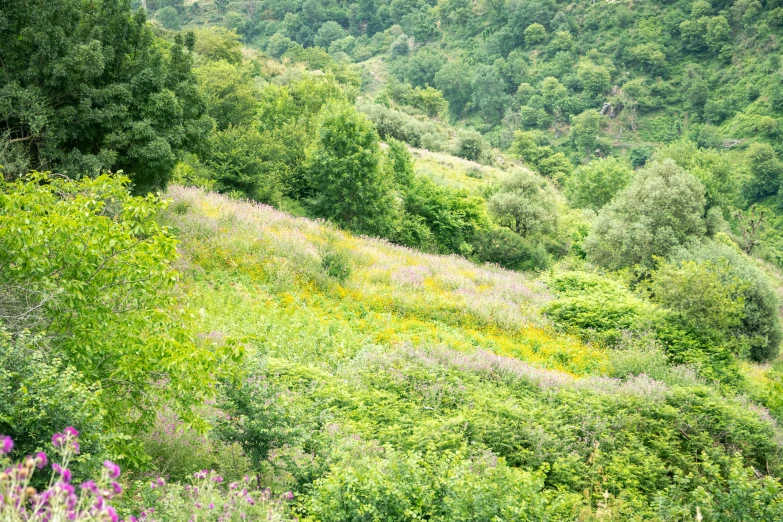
{"points": [[217, 479], [153, 485], [211, 505], [66, 487], [233, 485], [41, 458], [6, 444], [71, 515], [76, 447], [131, 519], [114, 469], [70, 430], [288, 495], [66, 475], [116, 487], [161, 482], [58, 439], [112, 514], [90, 486], [56, 467]]}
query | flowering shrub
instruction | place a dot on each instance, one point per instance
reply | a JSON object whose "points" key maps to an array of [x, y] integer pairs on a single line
{"points": [[60, 501], [209, 498]]}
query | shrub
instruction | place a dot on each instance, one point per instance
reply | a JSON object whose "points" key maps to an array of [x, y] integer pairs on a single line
{"points": [[595, 184], [502, 246], [760, 330], [39, 394], [95, 265], [471, 145], [661, 209]]}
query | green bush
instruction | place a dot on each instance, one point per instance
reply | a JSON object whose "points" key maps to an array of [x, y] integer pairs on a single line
{"points": [[502, 246], [595, 184], [661, 209]]}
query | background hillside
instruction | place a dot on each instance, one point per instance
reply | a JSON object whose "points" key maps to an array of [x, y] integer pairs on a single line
{"points": [[499, 260]]}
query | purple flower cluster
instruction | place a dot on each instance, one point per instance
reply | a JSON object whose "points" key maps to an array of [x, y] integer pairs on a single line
{"points": [[60, 501]]}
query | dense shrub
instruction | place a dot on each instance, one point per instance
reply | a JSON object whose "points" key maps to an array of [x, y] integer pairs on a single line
{"points": [[89, 266], [595, 184], [661, 209]]}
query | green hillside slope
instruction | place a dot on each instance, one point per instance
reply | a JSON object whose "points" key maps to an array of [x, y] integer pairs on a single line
{"points": [[403, 385]]}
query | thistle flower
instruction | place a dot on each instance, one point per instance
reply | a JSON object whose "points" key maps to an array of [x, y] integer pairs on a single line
{"points": [[114, 469], [6, 444], [58, 439], [288, 495], [115, 486], [41, 459], [73, 432]]}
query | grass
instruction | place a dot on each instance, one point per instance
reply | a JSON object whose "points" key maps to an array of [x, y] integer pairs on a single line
{"points": [[267, 283], [395, 352]]}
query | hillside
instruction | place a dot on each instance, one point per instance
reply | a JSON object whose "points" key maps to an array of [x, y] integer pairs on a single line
{"points": [[404, 380], [391, 260]]}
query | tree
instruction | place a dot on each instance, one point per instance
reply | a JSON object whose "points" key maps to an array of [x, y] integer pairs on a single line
{"points": [[584, 130], [595, 184], [471, 145], [221, 5], [661, 209], [766, 171], [455, 81], [524, 204], [594, 78], [535, 34], [104, 94], [250, 161], [218, 43], [88, 267], [229, 92], [349, 185], [168, 17], [329, 32]]}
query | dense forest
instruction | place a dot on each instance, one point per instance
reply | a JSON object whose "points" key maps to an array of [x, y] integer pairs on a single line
{"points": [[450, 260]]}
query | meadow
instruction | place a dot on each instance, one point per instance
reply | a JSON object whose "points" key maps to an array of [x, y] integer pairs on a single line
{"points": [[380, 378]]}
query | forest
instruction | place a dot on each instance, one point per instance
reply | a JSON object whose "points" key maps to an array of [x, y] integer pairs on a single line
{"points": [[391, 260]]}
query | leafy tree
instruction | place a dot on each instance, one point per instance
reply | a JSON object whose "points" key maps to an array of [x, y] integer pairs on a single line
{"points": [[594, 78], [329, 32], [168, 17], [595, 184], [759, 332], [229, 92], [510, 250], [105, 93], [488, 94], [217, 43], [349, 185], [584, 130], [472, 145], [661, 209], [278, 45], [525, 205], [535, 34], [89, 267], [455, 81], [250, 161], [766, 171]]}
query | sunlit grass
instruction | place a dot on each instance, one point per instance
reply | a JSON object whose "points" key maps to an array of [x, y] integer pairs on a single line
{"points": [[266, 283]]}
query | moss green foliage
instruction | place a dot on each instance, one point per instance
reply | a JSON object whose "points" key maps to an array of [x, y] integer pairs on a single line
{"points": [[88, 266], [104, 93], [661, 209], [595, 184]]}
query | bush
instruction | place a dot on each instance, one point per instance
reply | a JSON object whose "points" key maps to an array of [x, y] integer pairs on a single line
{"points": [[471, 145], [595, 184], [661, 209], [39, 394], [89, 266], [509, 250], [760, 330]]}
